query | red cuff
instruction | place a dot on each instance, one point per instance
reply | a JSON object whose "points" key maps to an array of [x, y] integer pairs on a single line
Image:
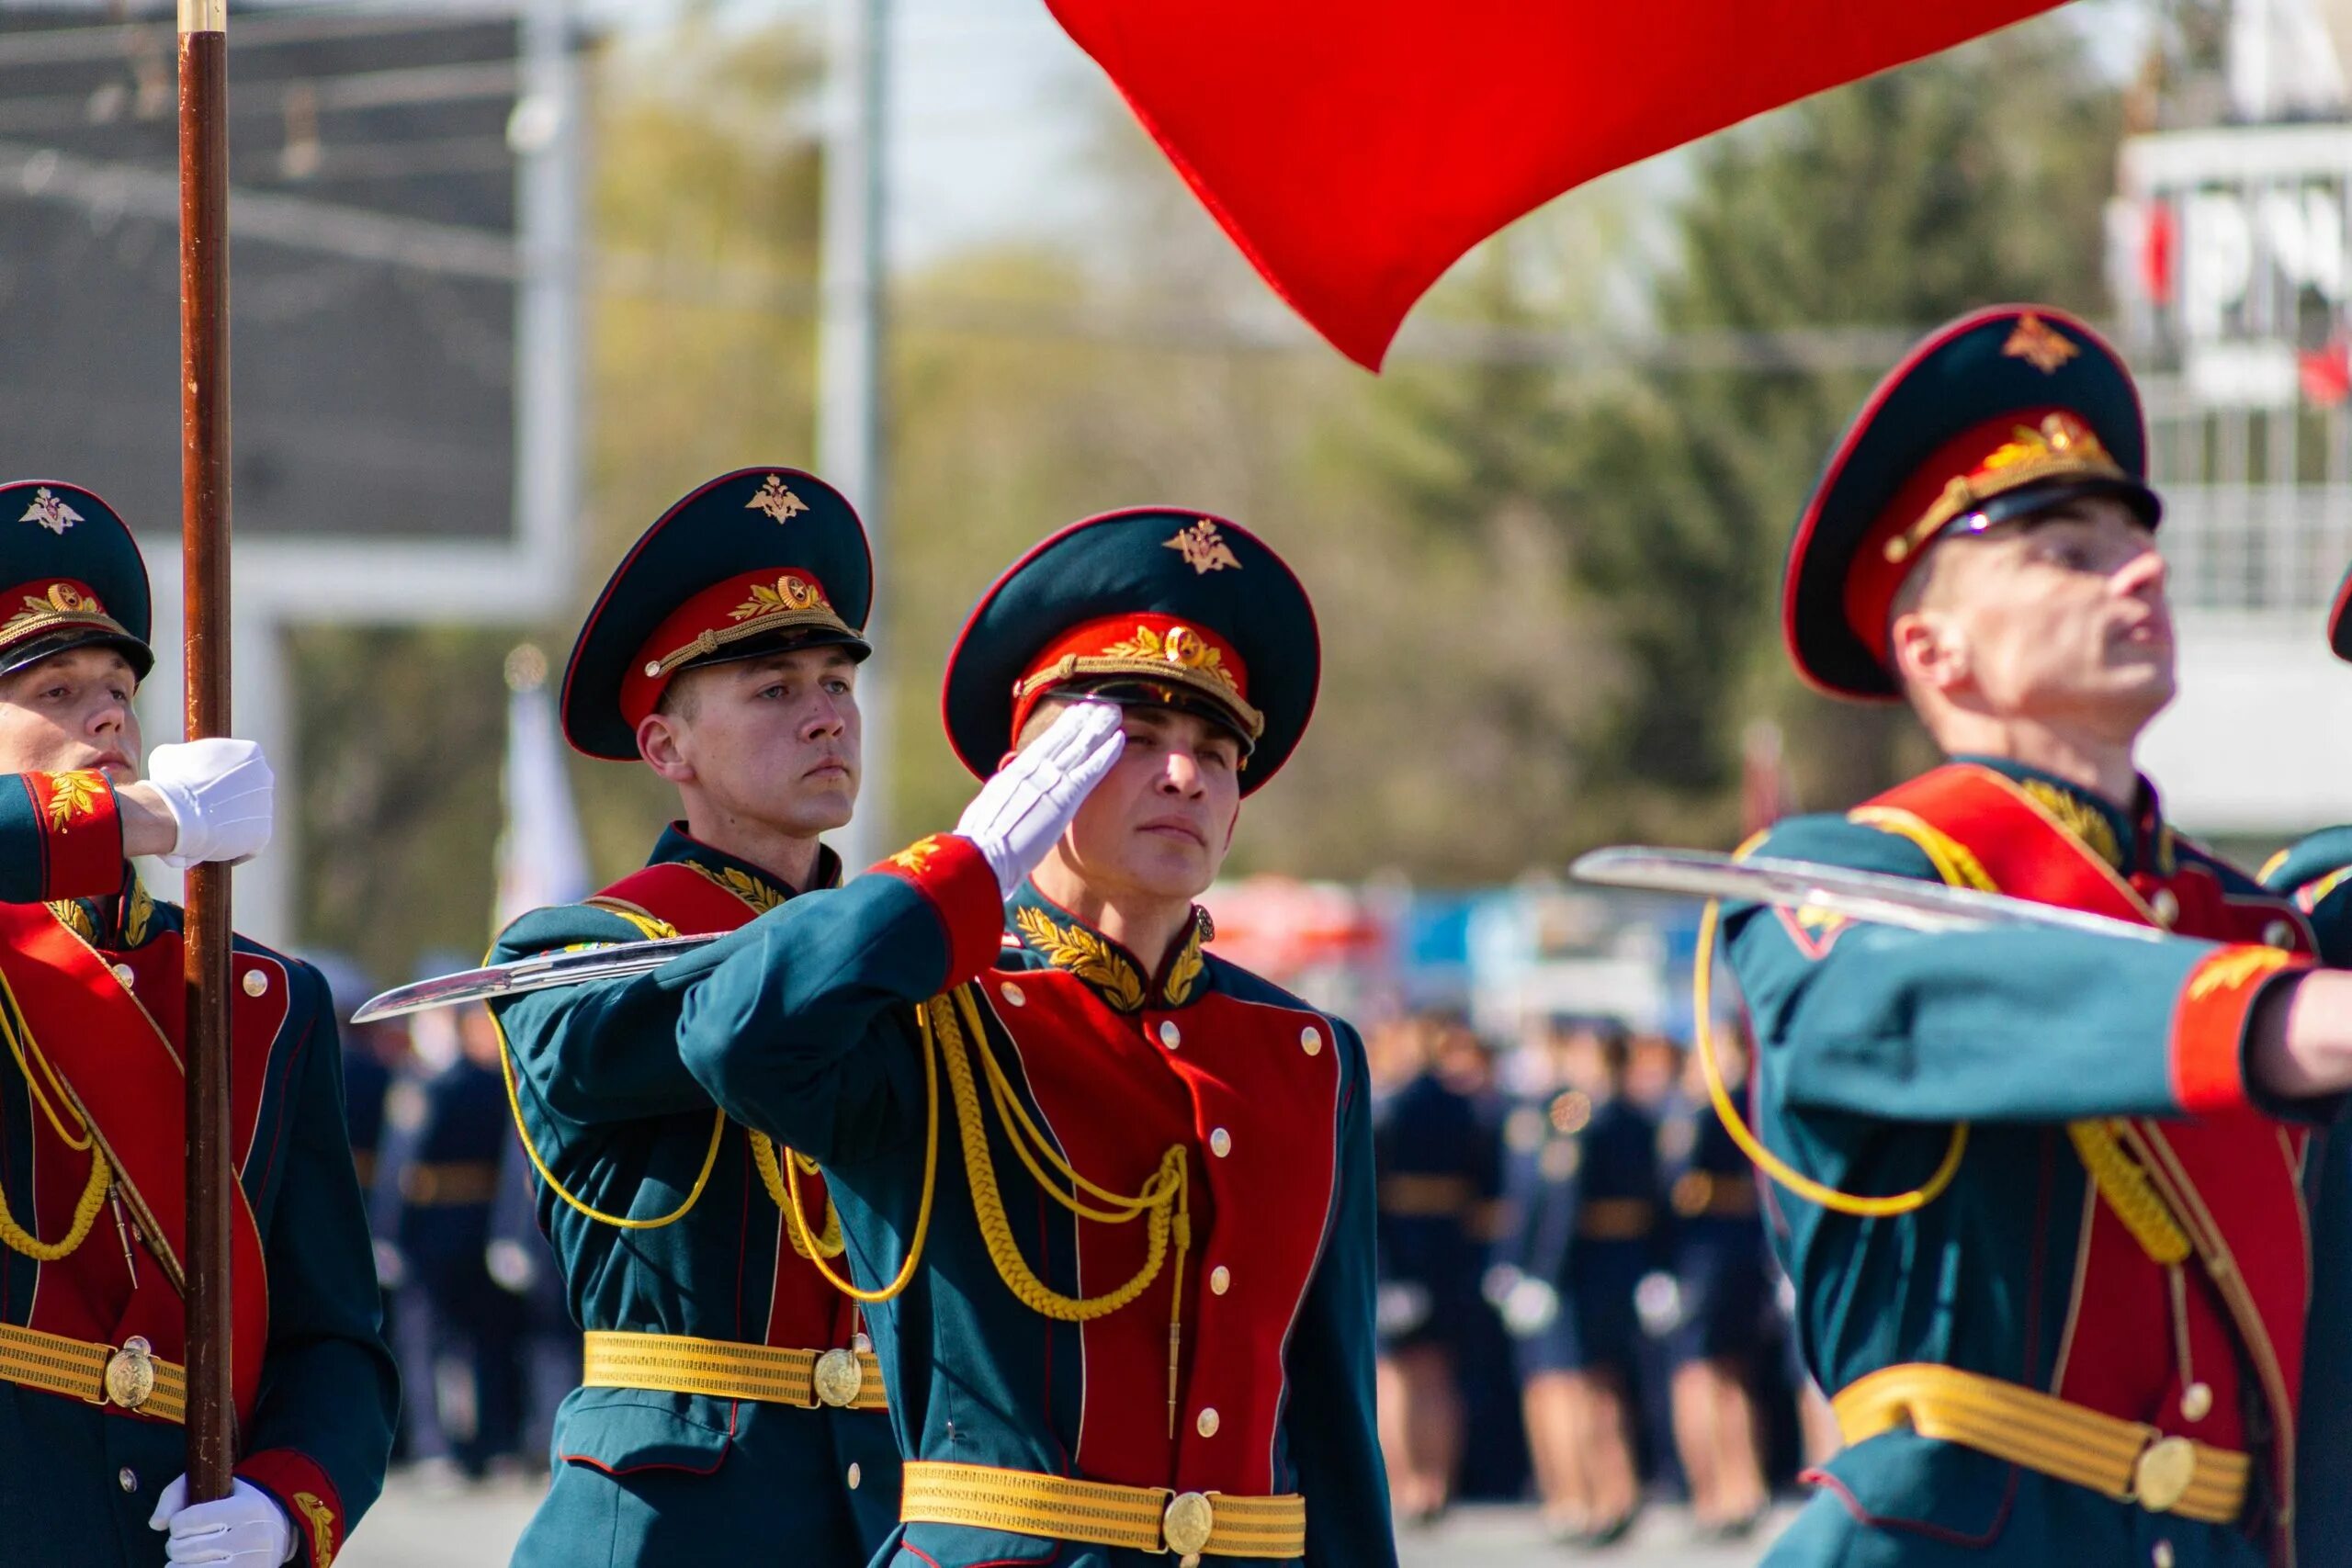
{"points": [[2209, 1024], [308, 1498], [955, 876], [80, 834]]}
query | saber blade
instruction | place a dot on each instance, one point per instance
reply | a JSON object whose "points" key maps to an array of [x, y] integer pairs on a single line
{"points": [[544, 972], [1866, 896]]}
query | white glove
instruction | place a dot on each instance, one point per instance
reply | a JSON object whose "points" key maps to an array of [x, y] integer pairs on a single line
{"points": [[1027, 805], [244, 1529], [219, 793]]}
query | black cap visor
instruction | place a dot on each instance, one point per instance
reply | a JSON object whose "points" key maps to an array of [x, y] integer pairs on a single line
{"points": [[1129, 691], [64, 639]]}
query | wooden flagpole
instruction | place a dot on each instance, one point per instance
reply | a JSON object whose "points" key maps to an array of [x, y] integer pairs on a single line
{"points": [[204, 524]]}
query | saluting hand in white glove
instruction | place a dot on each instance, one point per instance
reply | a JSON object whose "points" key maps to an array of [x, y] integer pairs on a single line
{"points": [[221, 793], [244, 1529], [1030, 801]]}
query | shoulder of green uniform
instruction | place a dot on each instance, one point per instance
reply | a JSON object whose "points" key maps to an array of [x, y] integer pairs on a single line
{"points": [[2322, 857], [1828, 838], [561, 926]]}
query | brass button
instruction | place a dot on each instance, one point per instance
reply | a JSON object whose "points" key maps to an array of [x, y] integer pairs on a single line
{"points": [[838, 1378], [122, 973], [855, 1475], [127, 1478], [1310, 1040], [1221, 1280], [1187, 1523], [2161, 1555], [652, 668], [2164, 907], [2196, 1401], [2161, 1477], [1207, 1425], [2278, 933], [1169, 1035], [256, 982], [1220, 1142], [1014, 994]]}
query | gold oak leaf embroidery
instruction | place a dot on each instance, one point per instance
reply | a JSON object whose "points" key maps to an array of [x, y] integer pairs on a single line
{"points": [[1084, 954], [776, 501], [1203, 549], [2229, 969], [789, 593], [1186, 973], [2039, 345], [73, 797], [2079, 817], [322, 1521], [77, 918], [142, 910], [51, 511], [1180, 645], [916, 857], [749, 888]]}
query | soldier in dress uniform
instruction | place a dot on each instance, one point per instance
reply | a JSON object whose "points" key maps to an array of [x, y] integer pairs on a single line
{"points": [[92, 1145], [2043, 1188], [1723, 1302], [442, 1179], [1109, 1196], [1436, 1174], [1580, 1190], [731, 1406]]}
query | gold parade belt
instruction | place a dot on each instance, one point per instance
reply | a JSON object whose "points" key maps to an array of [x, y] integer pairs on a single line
{"points": [[1100, 1513], [2128, 1461], [721, 1369], [131, 1376], [436, 1184]]}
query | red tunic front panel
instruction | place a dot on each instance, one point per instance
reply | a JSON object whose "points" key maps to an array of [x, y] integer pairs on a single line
{"points": [[1256, 1107]]}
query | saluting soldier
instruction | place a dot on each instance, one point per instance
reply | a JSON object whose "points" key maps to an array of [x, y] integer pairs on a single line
{"points": [[93, 1144], [1110, 1196], [2042, 1190], [730, 1407]]}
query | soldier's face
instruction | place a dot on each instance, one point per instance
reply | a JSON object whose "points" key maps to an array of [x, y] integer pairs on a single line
{"points": [[774, 741], [68, 712], [1161, 821], [2062, 620]]}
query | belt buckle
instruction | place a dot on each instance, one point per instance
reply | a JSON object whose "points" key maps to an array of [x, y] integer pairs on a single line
{"points": [[838, 1378], [2160, 1476], [1186, 1524], [130, 1374]]}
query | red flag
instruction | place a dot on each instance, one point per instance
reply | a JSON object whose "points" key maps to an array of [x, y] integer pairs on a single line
{"points": [[1356, 149]]}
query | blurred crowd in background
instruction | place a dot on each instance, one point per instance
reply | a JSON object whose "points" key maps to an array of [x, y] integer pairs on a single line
{"points": [[1576, 1302], [473, 1307]]}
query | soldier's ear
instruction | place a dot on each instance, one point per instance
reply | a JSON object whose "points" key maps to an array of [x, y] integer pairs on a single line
{"points": [[1928, 651], [658, 743]]}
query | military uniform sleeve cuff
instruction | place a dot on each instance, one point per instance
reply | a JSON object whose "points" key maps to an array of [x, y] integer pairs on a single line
{"points": [[953, 877], [2209, 1020], [80, 833], [309, 1499]]}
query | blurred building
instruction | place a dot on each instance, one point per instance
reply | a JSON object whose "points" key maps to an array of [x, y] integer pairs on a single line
{"points": [[2232, 267]]}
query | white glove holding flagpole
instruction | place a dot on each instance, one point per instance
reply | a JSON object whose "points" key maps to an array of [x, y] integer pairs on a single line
{"points": [[244, 1529], [221, 793], [1030, 801]]}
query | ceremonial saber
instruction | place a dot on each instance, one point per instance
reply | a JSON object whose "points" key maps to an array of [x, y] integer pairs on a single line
{"points": [[204, 532], [1867, 896], [539, 973]]}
